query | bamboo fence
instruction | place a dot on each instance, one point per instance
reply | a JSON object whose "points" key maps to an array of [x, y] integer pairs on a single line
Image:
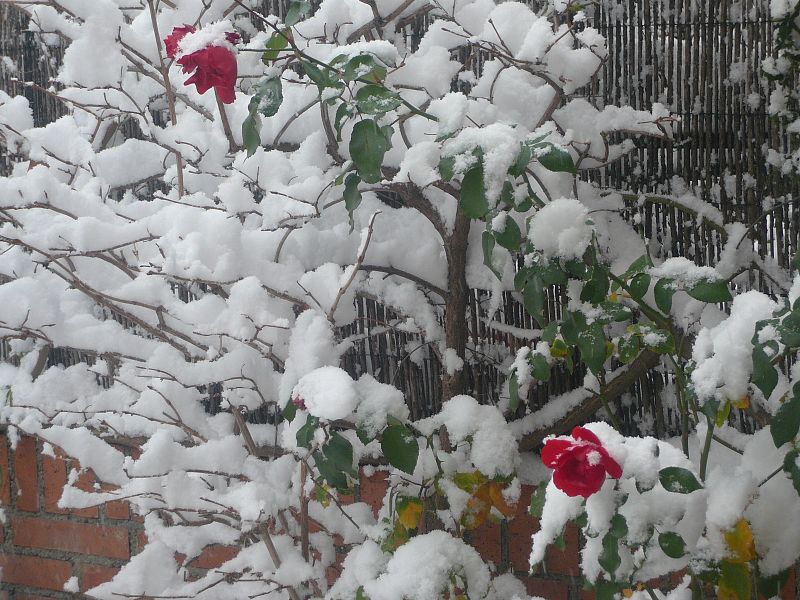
{"points": [[700, 58]]}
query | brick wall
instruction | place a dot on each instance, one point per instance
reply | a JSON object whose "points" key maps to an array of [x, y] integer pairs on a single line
{"points": [[43, 546]]}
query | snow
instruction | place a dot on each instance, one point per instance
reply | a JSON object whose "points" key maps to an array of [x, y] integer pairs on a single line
{"points": [[328, 393], [229, 285], [421, 567], [724, 353], [560, 229]]}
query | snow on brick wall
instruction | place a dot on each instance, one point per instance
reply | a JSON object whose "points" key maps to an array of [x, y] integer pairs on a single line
{"points": [[44, 548]]}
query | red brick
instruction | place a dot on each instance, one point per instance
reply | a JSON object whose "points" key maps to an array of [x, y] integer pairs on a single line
{"points": [[213, 556], [25, 474], [5, 481], [81, 538], [566, 562], [35, 571], [373, 489], [54, 474], [94, 575], [520, 530], [486, 540], [118, 509], [547, 588], [31, 597]]}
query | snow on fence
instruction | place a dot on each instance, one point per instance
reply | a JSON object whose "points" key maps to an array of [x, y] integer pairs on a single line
{"points": [[701, 59]]}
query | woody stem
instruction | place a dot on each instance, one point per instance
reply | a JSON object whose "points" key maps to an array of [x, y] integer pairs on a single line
{"points": [[226, 126]]}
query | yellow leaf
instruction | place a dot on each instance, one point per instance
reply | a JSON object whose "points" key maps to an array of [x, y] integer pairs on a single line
{"points": [[613, 297], [499, 501], [740, 543], [409, 511], [726, 593], [743, 402], [478, 507]]}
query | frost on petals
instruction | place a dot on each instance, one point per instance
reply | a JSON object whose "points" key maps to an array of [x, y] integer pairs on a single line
{"points": [[173, 39], [580, 463], [211, 66]]}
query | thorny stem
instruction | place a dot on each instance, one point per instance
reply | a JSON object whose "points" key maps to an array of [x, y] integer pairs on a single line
{"points": [[173, 117]]}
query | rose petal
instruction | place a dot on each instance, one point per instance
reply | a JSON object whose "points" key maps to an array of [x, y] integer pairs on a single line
{"points": [[552, 451], [583, 434], [173, 39]]}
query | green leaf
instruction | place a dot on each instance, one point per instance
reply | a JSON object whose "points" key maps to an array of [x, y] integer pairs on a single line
{"points": [[596, 289], [672, 544], [785, 423], [637, 266], [541, 370], [614, 311], [619, 526], [639, 285], [488, 242], [522, 161], [609, 557], [339, 451], [710, 408], [663, 292], [318, 75], [628, 348], [558, 160], [305, 435], [792, 469], [592, 344], [606, 590], [343, 112], [722, 414], [361, 594], [511, 236], [765, 375], [251, 136], [368, 144], [400, 447], [710, 291], [678, 480], [533, 298], [790, 330], [513, 392], [377, 100], [269, 96], [351, 195], [550, 332], [364, 66], [736, 577], [296, 11], [275, 44], [363, 435], [572, 326], [334, 476], [537, 501], [446, 166], [289, 411], [473, 194]]}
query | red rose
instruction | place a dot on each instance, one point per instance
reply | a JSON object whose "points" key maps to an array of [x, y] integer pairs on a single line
{"points": [[580, 464], [173, 39], [213, 66], [299, 402]]}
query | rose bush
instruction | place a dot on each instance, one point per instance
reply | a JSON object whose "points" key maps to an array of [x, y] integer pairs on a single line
{"points": [[215, 260]]}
